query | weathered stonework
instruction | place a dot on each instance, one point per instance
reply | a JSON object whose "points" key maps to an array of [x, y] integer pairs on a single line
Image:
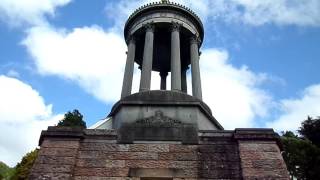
{"points": [[96, 155]]}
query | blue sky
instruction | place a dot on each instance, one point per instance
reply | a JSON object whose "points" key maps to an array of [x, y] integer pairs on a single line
{"points": [[259, 64]]}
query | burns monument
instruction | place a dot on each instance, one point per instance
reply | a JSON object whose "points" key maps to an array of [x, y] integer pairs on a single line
{"points": [[162, 134]]}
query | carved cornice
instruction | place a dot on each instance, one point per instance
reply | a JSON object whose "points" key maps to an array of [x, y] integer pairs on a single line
{"points": [[160, 6], [164, 3]]}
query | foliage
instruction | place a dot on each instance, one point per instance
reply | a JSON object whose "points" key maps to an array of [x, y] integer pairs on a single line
{"points": [[302, 154], [73, 119], [23, 168], [5, 171], [310, 129]]}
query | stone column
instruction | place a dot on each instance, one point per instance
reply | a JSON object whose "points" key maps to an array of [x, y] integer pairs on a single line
{"points": [[184, 80], [163, 84], [128, 72], [175, 58], [195, 69], [145, 80]]}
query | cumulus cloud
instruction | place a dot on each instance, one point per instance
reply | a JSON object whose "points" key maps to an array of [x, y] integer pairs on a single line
{"points": [[251, 12], [95, 60], [17, 12], [295, 110], [23, 114], [232, 93], [90, 56], [281, 12]]}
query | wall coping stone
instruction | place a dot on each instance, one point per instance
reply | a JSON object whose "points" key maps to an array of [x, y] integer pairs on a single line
{"points": [[239, 134]]}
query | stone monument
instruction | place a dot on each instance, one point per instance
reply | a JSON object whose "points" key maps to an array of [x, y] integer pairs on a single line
{"points": [[160, 134]]}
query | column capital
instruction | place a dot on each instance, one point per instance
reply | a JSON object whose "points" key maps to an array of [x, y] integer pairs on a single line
{"points": [[175, 26], [195, 40], [131, 39], [149, 27]]}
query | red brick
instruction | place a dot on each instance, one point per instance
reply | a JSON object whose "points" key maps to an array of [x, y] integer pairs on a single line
{"points": [[265, 163], [158, 148], [69, 152], [257, 155], [263, 173], [149, 147], [103, 178], [93, 154], [102, 172], [59, 144], [48, 168], [100, 163], [178, 156], [147, 164], [134, 155], [51, 176], [55, 160], [183, 164], [138, 147], [104, 147], [265, 147], [182, 148]]}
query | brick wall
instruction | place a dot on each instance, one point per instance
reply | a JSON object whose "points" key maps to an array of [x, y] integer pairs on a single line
{"points": [[96, 155], [56, 159]]}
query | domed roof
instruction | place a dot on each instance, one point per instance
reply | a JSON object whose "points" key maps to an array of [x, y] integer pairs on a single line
{"points": [[165, 5]]}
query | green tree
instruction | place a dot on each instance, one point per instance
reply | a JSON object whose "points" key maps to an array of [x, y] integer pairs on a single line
{"points": [[5, 171], [301, 156], [310, 129], [73, 119], [24, 167], [302, 153]]}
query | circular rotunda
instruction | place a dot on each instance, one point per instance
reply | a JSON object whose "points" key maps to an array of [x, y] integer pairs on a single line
{"points": [[163, 37]]}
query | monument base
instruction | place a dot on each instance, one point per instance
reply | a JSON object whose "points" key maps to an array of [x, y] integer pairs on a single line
{"points": [[84, 154]]}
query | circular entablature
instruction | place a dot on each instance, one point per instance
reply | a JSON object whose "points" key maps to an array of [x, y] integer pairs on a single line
{"points": [[164, 13]]}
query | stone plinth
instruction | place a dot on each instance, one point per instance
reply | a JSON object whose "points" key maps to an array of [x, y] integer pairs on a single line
{"points": [[96, 155], [161, 115]]}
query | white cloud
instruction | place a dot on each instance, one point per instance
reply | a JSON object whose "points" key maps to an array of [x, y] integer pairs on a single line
{"points": [[251, 12], [17, 12], [95, 59], [89, 56], [232, 93], [295, 110], [281, 12], [23, 114]]}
